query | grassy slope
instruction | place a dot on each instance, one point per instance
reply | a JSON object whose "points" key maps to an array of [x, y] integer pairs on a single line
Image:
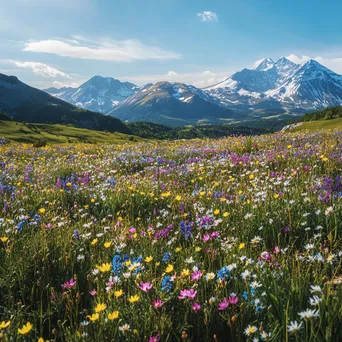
{"points": [[318, 125], [58, 134]]}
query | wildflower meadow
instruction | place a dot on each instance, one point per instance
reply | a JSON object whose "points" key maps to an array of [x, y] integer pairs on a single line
{"points": [[236, 239]]}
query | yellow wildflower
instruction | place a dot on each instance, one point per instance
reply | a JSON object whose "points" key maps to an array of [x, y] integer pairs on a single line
{"points": [[134, 299], [94, 317], [149, 259], [169, 268], [107, 244], [100, 307], [104, 267], [118, 293], [113, 315], [25, 329], [4, 324]]}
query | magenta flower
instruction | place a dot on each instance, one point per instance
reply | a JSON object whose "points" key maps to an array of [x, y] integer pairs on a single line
{"points": [[214, 235], [197, 275], [157, 303], [154, 338], [206, 238], [93, 292], [69, 284], [145, 286], [191, 294], [233, 299], [223, 305], [196, 307]]}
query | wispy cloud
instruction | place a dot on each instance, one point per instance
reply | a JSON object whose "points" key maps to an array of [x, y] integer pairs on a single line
{"points": [[335, 64], [207, 16], [58, 84], [41, 69], [171, 73], [105, 50]]}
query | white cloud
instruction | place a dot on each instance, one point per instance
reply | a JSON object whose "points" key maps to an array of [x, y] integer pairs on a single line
{"points": [[171, 73], [207, 16], [41, 69], [58, 85], [198, 79], [105, 50], [335, 64]]}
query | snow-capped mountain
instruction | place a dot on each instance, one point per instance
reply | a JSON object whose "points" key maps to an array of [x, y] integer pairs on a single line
{"points": [[99, 94], [281, 85], [173, 104]]}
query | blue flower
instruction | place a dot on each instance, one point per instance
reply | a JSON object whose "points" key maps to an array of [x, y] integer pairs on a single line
{"points": [[185, 229], [117, 264], [166, 284]]}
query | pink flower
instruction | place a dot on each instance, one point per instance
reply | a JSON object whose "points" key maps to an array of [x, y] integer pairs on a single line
{"points": [[132, 230], [233, 299], [93, 292], [154, 338], [206, 238], [223, 305], [276, 250], [145, 286], [191, 294], [197, 275], [214, 235], [196, 307], [69, 284], [157, 303]]}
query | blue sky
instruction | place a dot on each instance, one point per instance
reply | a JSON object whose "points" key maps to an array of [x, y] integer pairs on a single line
{"points": [[57, 42]]}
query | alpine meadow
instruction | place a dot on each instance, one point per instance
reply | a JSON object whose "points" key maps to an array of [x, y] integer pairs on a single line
{"points": [[193, 192]]}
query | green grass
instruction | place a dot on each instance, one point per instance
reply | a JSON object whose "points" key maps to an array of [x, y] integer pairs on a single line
{"points": [[59, 134], [318, 125]]}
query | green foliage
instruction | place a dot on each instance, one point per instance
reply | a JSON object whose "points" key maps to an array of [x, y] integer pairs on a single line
{"points": [[325, 114]]}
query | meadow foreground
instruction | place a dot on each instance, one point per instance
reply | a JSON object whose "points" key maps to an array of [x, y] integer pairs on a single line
{"points": [[236, 239]]}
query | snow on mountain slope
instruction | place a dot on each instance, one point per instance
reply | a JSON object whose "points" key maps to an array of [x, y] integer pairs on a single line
{"points": [[99, 94], [290, 86]]}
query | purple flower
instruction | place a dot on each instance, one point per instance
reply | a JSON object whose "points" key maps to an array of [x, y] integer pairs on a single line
{"points": [[69, 284], [157, 303], [196, 307], [191, 294], [223, 305], [197, 275], [145, 286], [233, 299], [154, 338]]}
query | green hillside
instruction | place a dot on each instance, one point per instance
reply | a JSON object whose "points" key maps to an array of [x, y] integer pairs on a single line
{"points": [[59, 134], [318, 125]]}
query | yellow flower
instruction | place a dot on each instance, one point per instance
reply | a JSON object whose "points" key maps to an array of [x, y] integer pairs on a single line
{"points": [[4, 239], [178, 198], [94, 242], [118, 293], [149, 259], [251, 176], [113, 315], [68, 184], [133, 299], [185, 272], [225, 214], [4, 324], [25, 329], [107, 244], [198, 249], [241, 245], [104, 267], [276, 196], [289, 146], [92, 200], [94, 317], [169, 268], [178, 249], [100, 307], [217, 211], [42, 210], [128, 262], [40, 339]]}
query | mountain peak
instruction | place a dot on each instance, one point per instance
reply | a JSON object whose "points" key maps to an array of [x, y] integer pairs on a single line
{"points": [[263, 64]]}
